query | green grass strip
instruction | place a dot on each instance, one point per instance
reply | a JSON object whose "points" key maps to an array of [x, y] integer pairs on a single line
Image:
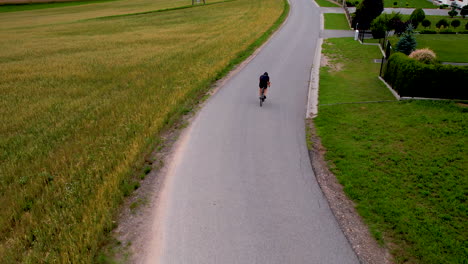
{"points": [[26, 7], [336, 21], [325, 3]]}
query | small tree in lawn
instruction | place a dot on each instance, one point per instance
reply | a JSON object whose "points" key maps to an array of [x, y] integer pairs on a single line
{"points": [[455, 23], [442, 23], [426, 23], [464, 11], [407, 42], [417, 16], [367, 11], [452, 13]]}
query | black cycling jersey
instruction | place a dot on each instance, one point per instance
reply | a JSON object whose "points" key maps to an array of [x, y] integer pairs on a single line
{"points": [[264, 79]]}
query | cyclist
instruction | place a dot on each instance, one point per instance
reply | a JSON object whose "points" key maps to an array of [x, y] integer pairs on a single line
{"points": [[264, 84]]}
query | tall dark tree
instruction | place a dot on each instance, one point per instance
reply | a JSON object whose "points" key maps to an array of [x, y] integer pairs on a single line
{"points": [[367, 11], [464, 11]]}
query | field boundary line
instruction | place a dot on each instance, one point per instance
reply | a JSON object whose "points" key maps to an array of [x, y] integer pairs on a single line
{"points": [[158, 10]]}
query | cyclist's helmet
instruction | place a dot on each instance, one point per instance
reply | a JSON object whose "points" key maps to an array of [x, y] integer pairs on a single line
{"points": [[266, 74]]}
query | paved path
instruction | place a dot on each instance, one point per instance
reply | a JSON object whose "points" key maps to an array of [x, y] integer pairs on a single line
{"points": [[242, 189]]}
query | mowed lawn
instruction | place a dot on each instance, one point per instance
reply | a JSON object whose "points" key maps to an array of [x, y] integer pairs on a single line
{"points": [[403, 163], [326, 3], [82, 102], [336, 21], [448, 47]]}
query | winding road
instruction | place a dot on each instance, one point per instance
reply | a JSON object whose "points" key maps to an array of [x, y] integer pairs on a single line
{"points": [[241, 188]]}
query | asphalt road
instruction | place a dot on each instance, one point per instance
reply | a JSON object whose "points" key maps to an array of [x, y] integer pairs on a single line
{"points": [[242, 189]]}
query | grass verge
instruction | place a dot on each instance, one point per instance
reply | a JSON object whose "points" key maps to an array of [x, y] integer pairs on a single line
{"points": [[325, 3], [83, 102], [403, 163], [336, 21]]}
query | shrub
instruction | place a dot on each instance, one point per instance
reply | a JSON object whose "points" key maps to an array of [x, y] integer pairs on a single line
{"points": [[415, 79], [426, 23], [379, 27], [417, 16], [443, 6], [455, 23], [426, 55], [442, 23], [400, 26], [428, 31], [349, 3], [463, 32], [466, 26], [447, 31], [395, 3], [452, 13], [464, 11]]}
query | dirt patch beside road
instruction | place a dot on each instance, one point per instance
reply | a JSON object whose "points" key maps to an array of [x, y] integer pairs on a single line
{"points": [[356, 231]]}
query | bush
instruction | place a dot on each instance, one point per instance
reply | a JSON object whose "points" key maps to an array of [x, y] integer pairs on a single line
{"points": [[452, 13], [426, 56], [417, 16], [442, 23], [400, 26], [466, 26], [426, 23], [455, 23], [379, 27], [447, 31], [415, 79], [443, 6], [427, 31], [349, 3], [463, 32], [464, 11]]}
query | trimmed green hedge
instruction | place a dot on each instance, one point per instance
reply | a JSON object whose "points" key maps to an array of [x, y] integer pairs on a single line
{"points": [[411, 78]]}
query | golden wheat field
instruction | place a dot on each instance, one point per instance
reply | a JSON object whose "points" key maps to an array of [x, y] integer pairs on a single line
{"points": [[83, 99]]}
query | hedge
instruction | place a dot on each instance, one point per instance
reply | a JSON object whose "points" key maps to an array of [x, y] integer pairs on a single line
{"points": [[411, 78]]}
